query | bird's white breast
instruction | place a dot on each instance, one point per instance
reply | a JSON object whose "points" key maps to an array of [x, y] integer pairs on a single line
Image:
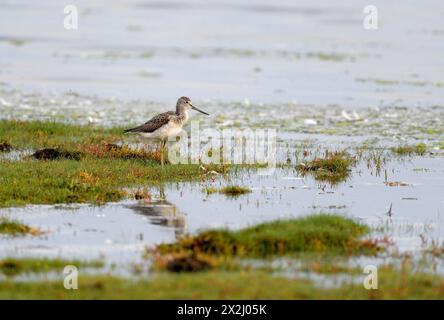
{"points": [[170, 129]]}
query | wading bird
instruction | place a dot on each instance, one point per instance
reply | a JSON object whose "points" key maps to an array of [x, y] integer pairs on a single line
{"points": [[167, 124]]}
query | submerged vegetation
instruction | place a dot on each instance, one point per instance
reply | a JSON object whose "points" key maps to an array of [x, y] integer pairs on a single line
{"points": [[11, 227]]}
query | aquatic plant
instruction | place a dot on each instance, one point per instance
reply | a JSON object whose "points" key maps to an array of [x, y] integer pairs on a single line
{"points": [[232, 191], [333, 167], [418, 149]]}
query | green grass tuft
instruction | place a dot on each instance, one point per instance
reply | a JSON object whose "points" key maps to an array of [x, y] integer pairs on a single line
{"points": [[41, 134], [316, 233], [232, 191]]}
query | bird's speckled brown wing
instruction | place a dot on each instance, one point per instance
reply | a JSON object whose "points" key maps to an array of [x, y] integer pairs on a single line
{"points": [[153, 124]]}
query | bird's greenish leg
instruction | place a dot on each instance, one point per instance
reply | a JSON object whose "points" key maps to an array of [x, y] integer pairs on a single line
{"points": [[162, 151]]}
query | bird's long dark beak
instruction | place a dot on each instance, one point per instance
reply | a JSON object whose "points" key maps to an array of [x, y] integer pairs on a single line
{"points": [[193, 107]]}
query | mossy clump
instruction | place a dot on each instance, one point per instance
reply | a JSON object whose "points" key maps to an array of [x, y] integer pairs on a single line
{"points": [[13, 266], [231, 191], [334, 167], [316, 233], [234, 190], [5, 146], [419, 149], [11, 227]]}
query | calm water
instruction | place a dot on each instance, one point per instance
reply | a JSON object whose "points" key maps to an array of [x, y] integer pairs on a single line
{"points": [[308, 52]]}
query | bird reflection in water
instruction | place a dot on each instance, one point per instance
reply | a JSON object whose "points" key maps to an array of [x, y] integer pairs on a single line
{"points": [[161, 212]]}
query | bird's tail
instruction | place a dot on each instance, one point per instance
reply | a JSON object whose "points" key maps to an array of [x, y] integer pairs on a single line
{"points": [[131, 130]]}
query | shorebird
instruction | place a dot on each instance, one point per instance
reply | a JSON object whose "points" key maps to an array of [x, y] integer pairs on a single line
{"points": [[167, 124]]}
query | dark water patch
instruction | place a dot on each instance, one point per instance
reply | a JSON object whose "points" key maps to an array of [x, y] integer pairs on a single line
{"points": [[56, 154]]}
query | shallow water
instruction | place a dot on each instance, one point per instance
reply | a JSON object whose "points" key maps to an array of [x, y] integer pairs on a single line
{"points": [[120, 231]]}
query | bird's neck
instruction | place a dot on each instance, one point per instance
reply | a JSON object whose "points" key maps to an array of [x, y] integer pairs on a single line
{"points": [[183, 114]]}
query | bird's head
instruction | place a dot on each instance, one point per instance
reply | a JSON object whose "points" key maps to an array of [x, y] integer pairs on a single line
{"points": [[184, 104]]}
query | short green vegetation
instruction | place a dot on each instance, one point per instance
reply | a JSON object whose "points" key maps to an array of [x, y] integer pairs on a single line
{"points": [[38, 134], [13, 266], [316, 233], [81, 164], [392, 284], [333, 167], [11, 227], [95, 180], [234, 190], [418, 149]]}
